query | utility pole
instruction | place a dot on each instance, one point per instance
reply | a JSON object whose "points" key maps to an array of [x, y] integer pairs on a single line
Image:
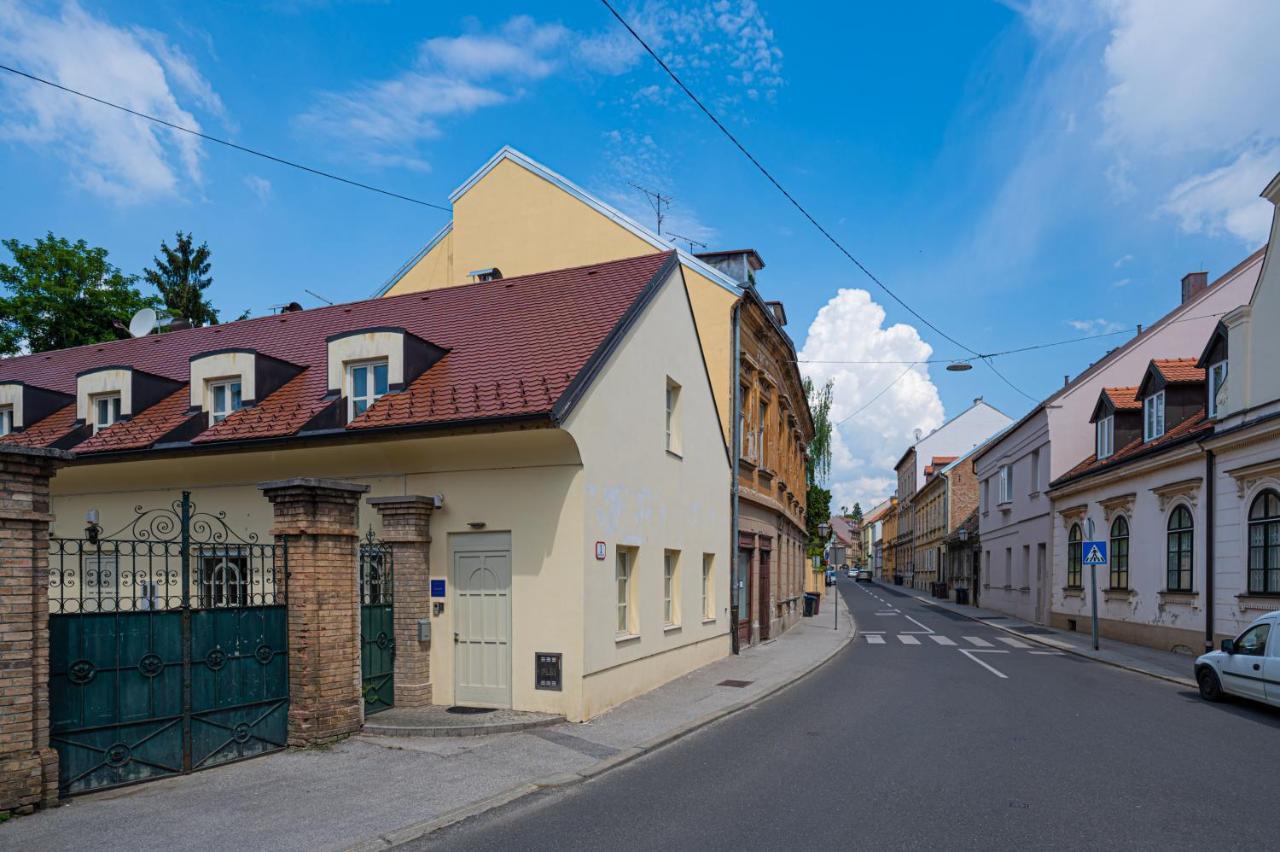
{"points": [[657, 201]]}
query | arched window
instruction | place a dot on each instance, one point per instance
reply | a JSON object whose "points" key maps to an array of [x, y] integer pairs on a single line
{"points": [[1120, 553], [1075, 558], [1264, 544], [1181, 537]]}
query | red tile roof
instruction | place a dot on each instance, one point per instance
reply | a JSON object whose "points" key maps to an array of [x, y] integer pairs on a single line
{"points": [[1187, 429], [46, 432], [1124, 399], [513, 346], [1179, 370]]}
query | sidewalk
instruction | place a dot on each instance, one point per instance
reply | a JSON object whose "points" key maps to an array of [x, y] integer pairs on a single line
{"points": [[1165, 665], [373, 792]]}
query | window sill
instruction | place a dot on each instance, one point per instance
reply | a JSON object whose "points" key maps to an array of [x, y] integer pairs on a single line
{"points": [[708, 621], [1073, 592], [624, 638], [1118, 594], [670, 628], [1182, 598], [675, 455], [1034, 494], [1266, 601]]}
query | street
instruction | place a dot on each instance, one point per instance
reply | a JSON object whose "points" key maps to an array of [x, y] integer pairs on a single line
{"points": [[930, 731]]}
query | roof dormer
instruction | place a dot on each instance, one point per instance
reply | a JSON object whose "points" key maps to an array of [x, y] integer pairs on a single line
{"points": [[226, 380], [106, 395], [1214, 361], [368, 363], [1172, 391], [22, 404]]}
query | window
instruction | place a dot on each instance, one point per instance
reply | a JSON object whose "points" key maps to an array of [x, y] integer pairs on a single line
{"points": [[1075, 558], [1180, 542], [365, 383], [1008, 567], [1153, 416], [985, 496], [1120, 553], [708, 587], [673, 417], [1035, 472], [623, 581], [1006, 483], [6, 420], [670, 587], [1217, 386], [760, 433], [1253, 642], [223, 581], [1106, 436], [1264, 544], [224, 398], [106, 410]]}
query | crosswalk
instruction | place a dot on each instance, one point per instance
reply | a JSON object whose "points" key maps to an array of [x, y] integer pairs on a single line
{"points": [[881, 637]]}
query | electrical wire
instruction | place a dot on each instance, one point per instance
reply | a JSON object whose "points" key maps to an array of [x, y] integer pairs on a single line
{"points": [[233, 145], [867, 404]]}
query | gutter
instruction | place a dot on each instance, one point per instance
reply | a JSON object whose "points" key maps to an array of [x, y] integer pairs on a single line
{"points": [[1210, 493], [735, 454]]}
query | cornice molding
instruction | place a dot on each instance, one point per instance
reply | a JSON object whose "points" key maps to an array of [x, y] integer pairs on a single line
{"points": [[1250, 475], [1184, 488], [1121, 504]]}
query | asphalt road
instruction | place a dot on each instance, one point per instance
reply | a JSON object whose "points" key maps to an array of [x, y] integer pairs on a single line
{"points": [[915, 743]]}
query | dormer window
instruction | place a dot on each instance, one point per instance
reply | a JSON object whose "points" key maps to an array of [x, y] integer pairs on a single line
{"points": [[106, 410], [224, 399], [1217, 375], [1153, 416], [1106, 437], [366, 382], [6, 420]]}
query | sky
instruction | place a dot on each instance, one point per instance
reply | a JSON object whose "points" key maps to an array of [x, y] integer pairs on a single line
{"points": [[1018, 172]]}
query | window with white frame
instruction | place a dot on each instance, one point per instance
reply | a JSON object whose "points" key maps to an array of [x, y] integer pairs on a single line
{"points": [[673, 417], [105, 409], [1106, 437], [670, 587], [366, 381], [1006, 483], [622, 578], [708, 587], [760, 432], [224, 399], [1153, 416], [6, 420], [1217, 386], [1035, 472]]}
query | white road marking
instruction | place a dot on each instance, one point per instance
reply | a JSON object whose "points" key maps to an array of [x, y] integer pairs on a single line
{"points": [[871, 631], [941, 640], [1013, 643], [995, 671], [974, 640], [907, 639], [926, 629], [888, 613], [874, 639], [1048, 653]]}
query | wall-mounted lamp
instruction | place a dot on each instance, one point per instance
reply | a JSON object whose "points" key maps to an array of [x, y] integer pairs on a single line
{"points": [[91, 528], [476, 525]]}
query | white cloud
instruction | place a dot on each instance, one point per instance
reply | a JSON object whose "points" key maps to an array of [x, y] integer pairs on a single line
{"points": [[1123, 260], [1226, 200], [636, 160], [110, 153], [259, 186], [1097, 326], [1121, 282], [850, 327]]}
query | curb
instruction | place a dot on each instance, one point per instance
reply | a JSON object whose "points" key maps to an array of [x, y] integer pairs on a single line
{"points": [[1062, 646], [376, 730], [419, 830]]}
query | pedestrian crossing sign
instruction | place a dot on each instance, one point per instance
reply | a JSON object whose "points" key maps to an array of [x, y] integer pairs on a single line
{"points": [[1095, 553]]}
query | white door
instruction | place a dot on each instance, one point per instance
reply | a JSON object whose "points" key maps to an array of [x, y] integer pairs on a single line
{"points": [[1242, 670], [482, 619]]}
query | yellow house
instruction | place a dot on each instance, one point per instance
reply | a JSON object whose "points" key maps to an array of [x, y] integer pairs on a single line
{"points": [[515, 216], [562, 425]]}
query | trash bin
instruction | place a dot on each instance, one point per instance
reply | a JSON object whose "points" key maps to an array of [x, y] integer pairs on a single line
{"points": [[810, 604], [962, 596], [897, 581]]}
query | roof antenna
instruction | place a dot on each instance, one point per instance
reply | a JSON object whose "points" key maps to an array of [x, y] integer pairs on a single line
{"points": [[316, 295], [657, 201], [690, 240]]}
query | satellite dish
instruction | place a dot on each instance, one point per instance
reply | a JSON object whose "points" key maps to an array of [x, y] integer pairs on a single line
{"points": [[143, 323]]}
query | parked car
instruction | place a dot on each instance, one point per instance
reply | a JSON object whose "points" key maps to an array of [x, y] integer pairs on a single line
{"points": [[863, 575], [1247, 666], [831, 576], [852, 573]]}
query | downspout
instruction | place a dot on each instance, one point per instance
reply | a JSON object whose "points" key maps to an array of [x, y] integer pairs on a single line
{"points": [[735, 455], [1208, 544]]}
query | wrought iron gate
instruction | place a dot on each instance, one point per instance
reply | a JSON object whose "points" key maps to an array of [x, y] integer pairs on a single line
{"points": [[168, 648], [377, 627]]}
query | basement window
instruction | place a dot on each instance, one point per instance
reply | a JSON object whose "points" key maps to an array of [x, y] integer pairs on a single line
{"points": [[366, 382]]}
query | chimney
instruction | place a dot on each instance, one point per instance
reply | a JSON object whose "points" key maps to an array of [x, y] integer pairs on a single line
{"points": [[977, 400], [779, 313], [739, 264], [1193, 284]]}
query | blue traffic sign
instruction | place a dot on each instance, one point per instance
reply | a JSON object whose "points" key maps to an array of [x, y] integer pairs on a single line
{"points": [[1095, 552], [437, 588]]}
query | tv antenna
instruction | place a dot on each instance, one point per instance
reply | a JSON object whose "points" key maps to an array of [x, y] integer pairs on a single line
{"points": [[316, 295], [657, 201], [690, 240]]}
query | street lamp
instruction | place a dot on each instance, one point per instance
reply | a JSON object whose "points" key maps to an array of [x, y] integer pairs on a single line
{"points": [[824, 532]]}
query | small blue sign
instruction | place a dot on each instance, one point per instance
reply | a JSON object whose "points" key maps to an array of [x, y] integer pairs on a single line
{"points": [[1095, 552], [437, 589]]}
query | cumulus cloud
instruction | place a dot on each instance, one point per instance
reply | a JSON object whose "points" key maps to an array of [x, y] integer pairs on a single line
{"points": [[1098, 326], [259, 186], [867, 443], [108, 152], [1225, 200]]}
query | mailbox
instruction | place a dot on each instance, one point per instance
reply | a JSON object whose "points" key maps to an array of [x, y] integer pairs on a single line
{"points": [[548, 671], [424, 630]]}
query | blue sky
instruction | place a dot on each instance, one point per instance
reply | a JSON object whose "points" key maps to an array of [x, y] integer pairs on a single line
{"points": [[1018, 172]]}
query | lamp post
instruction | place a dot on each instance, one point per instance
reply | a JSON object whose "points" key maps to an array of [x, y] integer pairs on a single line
{"points": [[824, 532]]}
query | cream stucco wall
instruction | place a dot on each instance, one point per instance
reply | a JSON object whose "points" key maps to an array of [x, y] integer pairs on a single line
{"points": [[638, 495], [223, 365], [104, 381], [11, 397]]}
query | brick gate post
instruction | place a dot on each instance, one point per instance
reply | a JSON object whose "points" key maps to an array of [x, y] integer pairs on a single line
{"points": [[406, 527], [317, 519], [28, 765]]}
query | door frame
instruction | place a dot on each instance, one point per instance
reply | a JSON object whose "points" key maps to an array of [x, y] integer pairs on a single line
{"points": [[478, 543]]}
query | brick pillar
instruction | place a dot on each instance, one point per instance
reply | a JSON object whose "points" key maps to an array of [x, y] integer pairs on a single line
{"points": [[28, 766], [406, 527], [317, 518]]}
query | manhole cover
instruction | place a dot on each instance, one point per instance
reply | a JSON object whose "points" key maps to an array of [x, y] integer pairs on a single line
{"points": [[470, 711], [736, 683]]}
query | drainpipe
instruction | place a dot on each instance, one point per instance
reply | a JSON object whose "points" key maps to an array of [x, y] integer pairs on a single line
{"points": [[1208, 544], [735, 454]]}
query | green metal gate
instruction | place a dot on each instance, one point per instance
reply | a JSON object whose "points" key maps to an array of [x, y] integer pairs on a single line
{"points": [[168, 648], [377, 628]]}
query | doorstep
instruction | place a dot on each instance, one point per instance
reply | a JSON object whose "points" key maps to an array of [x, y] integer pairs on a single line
{"points": [[440, 721]]}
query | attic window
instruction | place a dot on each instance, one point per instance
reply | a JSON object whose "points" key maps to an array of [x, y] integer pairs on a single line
{"points": [[1153, 416], [224, 399], [1106, 437], [106, 410], [366, 382], [493, 273], [6, 420]]}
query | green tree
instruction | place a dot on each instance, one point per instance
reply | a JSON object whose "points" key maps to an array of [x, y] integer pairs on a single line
{"points": [[181, 274], [61, 294], [818, 462], [817, 511], [856, 514]]}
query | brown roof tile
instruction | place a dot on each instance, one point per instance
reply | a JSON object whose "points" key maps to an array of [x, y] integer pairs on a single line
{"points": [[46, 432], [1193, 425], [145, 428], [1179, 370], [1124, 399]]}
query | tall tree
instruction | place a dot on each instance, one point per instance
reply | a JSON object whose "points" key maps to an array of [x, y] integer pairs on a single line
{"points": [[818, 463], [62, 294], [856, 514], [181, 274]]}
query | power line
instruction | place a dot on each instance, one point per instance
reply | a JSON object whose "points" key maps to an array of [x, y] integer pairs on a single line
{"points": [[803, 211], [225, 142], [867, 404]]}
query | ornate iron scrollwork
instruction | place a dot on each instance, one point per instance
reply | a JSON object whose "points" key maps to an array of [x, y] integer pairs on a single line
{"points": [[165, 525]]}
